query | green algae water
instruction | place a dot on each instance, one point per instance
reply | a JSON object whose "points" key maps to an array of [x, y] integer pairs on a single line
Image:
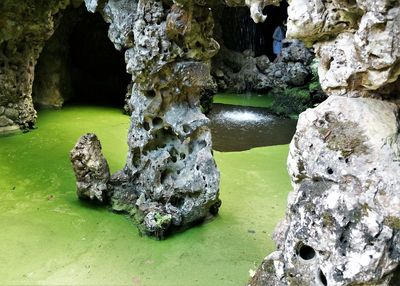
{"points": [[49, 237]]}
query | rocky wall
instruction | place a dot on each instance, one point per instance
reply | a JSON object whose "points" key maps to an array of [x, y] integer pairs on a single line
{"points": [[25, 26], [342, 225], [243, 71]]}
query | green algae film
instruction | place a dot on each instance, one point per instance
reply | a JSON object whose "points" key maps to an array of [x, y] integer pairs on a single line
{"points": [[250, 99], [49, 237]]}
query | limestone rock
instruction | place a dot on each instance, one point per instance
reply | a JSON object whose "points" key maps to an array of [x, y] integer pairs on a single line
{"points": [[170, 180], [256, 7], [343, 221], [342, 225], [4, 121], [25, 26], [120, 15], [358, 43], [91, 5], [91, 169], [240, 72]]}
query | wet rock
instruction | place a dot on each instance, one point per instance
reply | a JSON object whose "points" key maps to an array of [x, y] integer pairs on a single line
{"points": [[91, 169]]}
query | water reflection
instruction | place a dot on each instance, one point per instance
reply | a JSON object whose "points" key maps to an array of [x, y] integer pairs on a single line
{"points": [[238, 128]]}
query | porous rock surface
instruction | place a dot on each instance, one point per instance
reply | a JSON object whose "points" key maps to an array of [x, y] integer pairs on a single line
{"points": [[358, 43], [342, 225], [24, 28], [91, 169], [256, 7], [170, 180]]}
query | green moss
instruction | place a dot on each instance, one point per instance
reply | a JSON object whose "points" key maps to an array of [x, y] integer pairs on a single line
{"points": [[61, 239], [392, 222], [345, 137], [327, 219], [291, 101], [357, 215], [162, 220], [365, 208]]}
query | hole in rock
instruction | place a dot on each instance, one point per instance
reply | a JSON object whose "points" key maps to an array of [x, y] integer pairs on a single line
{"points": [[157, 121], [306, 252], [151, 93], [186, 128], [80, 65], [177, 201], [322, 278], [146, 126], [329, 171]]}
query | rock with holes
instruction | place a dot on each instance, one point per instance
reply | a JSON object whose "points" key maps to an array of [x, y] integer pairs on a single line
{"points": [[239, 72], [256, 7], [91, 169], [25, 26], [358, 43], [170, 180], [343, 221]]}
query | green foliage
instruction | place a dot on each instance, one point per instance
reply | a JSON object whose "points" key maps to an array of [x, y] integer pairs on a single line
{"points": [[291, 101]]}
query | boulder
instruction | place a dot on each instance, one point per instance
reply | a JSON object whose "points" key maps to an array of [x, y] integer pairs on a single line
{"points": [[91, 169]]}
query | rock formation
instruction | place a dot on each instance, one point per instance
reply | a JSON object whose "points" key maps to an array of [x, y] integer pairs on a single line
{"points": [[256, 7], [342, 225], [170, 180], [241, 72], [91, 169], [25, 26]]}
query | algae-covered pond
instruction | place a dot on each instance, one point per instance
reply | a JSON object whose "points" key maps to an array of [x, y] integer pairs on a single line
{"points": [[49, 237]]}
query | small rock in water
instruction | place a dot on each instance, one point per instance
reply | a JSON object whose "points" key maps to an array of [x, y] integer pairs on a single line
{"points": [[91, 168]]}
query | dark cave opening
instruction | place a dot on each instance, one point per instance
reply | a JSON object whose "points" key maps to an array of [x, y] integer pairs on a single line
{"points": [[97, 69], [80, 65], [240, 33]]}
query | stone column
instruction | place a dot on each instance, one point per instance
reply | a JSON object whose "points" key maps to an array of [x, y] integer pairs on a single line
{"points": [[170, 180]]}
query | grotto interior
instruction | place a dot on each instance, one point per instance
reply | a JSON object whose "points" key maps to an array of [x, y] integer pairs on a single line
{"points": [[240, 33], [324, 208], [79, 64]]}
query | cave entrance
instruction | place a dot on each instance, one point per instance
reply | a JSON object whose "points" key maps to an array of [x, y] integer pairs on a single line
{"points": [[240, 33], [79, 64]]}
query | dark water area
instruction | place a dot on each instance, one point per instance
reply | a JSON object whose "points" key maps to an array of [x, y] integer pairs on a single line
{"points": [[239, 128]]}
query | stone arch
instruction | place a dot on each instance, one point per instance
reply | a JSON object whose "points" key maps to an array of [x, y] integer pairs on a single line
{"points": [[79, 64]]}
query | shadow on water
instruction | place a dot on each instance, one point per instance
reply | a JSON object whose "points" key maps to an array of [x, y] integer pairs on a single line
{"points": [[239, 128]]}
